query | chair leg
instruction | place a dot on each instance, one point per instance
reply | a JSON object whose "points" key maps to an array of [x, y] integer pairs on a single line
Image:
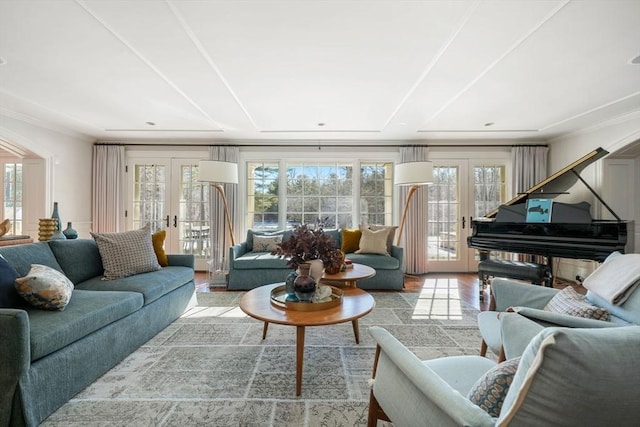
{"points": [[501, 356], [375, 412], [483, 349]]}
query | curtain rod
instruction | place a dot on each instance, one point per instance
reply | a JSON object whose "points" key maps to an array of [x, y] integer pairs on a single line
{"points": [[314, 145]]}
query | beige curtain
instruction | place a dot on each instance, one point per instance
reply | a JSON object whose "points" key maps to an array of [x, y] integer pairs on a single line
{"points": [[219, 234], [107, 205], [529, 166], [415, 230]]}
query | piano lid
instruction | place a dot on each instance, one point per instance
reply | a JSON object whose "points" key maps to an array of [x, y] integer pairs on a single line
{"points": [[560, 182]]}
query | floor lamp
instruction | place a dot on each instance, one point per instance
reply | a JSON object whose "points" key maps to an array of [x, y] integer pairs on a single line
{"points": [[218, 173], [413, 174]]}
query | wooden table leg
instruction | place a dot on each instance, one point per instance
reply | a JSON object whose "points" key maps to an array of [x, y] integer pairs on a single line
{"points": [[264, 330], [356, 330], [299, 358]]}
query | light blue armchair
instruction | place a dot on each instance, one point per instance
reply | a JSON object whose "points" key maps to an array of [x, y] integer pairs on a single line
{"points": [[565, 377]]}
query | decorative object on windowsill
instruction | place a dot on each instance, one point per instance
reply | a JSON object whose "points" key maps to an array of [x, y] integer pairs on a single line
{"points": [[46, 228], [69, 232], [414, 174]]}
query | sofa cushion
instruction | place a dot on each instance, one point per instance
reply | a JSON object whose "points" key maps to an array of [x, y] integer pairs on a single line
{"points": [[390, 237], [45, 288], [491, 388], [255, 260], [127, 253], [568, 301], [377, 262], [374, 242], [9, 297], [250, 233], [22, 256], [86, 312], [79, 258], [152, 285], [350, 240], [266, 243], [157, 239]]}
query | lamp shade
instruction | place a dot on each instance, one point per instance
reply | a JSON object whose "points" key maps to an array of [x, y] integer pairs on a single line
{"points": [[413, 173], [216, 171]]}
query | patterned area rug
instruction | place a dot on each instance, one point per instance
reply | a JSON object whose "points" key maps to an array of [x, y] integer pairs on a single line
{"points": [[211, 366]]}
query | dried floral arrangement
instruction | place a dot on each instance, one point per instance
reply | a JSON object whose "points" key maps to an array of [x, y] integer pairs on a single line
{"points": [[306, 244]]}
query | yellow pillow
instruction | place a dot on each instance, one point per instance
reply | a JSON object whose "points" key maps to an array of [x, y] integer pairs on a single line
{"points": [[350, 240], [158, 247]]}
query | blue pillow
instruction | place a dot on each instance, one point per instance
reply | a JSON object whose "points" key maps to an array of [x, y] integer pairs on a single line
{"points": [[9, 297]]}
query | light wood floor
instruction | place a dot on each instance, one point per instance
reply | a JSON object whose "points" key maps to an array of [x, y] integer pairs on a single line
{"points": [[465, 283]]}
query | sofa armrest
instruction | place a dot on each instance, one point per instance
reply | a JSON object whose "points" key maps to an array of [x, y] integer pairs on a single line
{"points": [[235, 252], [15, 357], [508, 293], [556, 319], [181, 260], [398, 253], [411, 393]]}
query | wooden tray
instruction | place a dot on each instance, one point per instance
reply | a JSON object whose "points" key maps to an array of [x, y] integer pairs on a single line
{"points": [[279, 294]]}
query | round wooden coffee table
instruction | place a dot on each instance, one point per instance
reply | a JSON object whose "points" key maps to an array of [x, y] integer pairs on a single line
{"points": [[350, 276], [257, 304]]}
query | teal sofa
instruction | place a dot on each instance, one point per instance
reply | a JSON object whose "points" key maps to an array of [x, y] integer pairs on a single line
{"points": [[48, 357], [249, 269]]}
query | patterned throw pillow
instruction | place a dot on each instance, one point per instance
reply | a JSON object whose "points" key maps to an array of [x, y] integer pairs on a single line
{"points": [[125, 254], [350, 240], [266, 243], [9, 298], [45, 288], [491, 389], [374, 242], [569, 301]]}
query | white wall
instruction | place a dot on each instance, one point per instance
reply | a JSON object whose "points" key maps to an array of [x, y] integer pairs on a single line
{"points": [[59, 169]]}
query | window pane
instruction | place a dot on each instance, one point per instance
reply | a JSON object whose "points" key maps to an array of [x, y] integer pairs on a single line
{"points": [[376, 191], [262, 195]]}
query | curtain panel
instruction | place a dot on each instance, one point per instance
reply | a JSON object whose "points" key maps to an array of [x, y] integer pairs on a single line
{"points": [[414, 238], [219, 234], [529, 164], [108, 176]]}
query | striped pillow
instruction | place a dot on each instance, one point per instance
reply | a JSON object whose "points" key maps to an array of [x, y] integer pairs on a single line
{"points": [[125, 254]]}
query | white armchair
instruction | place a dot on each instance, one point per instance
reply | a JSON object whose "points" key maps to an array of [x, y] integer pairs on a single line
{"points": [[565, 377]]}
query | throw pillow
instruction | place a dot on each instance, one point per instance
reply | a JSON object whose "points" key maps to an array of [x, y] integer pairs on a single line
{"points": [[127, 253], [350, 240], [491, 389], [390, 237], [569, 301], [158, 247], [9, 298], [45, 288], [266, 243], [373, 242]]}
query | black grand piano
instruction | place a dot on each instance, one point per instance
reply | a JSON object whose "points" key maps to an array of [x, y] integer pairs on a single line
{"points": [[570, 232]]}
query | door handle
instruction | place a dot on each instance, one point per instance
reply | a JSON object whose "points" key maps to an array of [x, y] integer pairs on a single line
{"points": [[175, 221], [167, 221], [464, 222]]}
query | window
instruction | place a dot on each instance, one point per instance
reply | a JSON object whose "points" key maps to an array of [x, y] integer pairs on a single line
{"points": [[376, 193], [284, 193], [12, 196]]}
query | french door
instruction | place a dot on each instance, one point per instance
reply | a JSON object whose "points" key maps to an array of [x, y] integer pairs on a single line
{"points": [[166, 194], [462, 190]]}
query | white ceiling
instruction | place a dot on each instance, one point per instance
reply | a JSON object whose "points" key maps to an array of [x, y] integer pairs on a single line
{"points": [[277, 70]]}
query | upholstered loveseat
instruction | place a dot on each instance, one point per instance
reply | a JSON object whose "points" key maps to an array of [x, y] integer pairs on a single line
{"points": [[49, 356], [251, 266]]}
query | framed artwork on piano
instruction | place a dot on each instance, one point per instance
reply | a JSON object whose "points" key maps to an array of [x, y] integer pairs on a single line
{"points": [[539, 210]]}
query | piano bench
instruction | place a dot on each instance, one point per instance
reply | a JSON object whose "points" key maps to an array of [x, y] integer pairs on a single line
{"points": [[538, 274]]}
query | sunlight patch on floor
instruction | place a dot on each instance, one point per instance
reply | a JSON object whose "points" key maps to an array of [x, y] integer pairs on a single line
{"points": [[439, 300], [201, 312]]}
